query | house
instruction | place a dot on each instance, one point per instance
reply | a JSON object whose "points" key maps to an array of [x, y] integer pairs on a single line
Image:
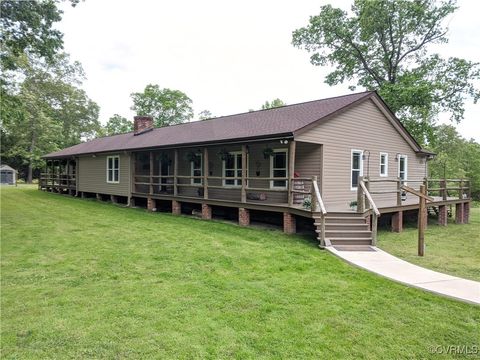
{"points": [[301, 161], [8, 175]]}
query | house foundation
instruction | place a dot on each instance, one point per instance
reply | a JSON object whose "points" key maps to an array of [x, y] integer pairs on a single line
{"points": [[442, 215], [151, 204], [176, 207], [243, 217], [397, 221], [466, 212], [459, 213], [289, 223], [206, 212], [113, 199]]}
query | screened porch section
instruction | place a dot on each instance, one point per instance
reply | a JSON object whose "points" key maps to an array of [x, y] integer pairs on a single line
{"points": [[278, 172]]}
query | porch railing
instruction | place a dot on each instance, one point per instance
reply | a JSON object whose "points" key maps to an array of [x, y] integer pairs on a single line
{"points": [[63, 181]]}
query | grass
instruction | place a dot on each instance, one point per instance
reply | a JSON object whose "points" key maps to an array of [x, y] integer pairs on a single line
{"points": [[454, 249], [83, 279]]}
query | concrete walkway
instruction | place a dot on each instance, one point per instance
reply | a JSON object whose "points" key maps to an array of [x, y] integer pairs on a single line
{"points": [[391, 267]]}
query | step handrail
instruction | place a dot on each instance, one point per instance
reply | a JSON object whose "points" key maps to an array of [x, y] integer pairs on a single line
{"points": [[317, 205], [363, 191], [319, 201], [369, 197]]}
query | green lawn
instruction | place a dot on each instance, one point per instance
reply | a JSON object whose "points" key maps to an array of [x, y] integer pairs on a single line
{"points": [[454, 249], [83, 279]]}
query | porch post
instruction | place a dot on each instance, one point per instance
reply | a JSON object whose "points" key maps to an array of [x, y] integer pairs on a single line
{"points": [[133, 172], [205, 173], [244, 173], [175, 172], [399, 191], [151, 173], [360, 199], [68, 177], [291, 170]]}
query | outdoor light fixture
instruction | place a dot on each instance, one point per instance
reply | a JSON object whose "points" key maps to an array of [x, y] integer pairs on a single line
{"points": [[284, 141], [397, 156]]}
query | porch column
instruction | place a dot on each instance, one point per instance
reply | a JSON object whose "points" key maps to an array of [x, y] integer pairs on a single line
{"points": [[459, 213], [289, 223], [176, 207], [291, 170], [175, 172], [243, 217], [397, 222], [244, 174], [205, 173], [151, 204], [133, 165], [442, 215], [151, 174], [206, 212], [466, 212]]}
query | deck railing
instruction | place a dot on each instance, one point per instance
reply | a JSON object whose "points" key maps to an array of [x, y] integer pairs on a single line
{"points": [[62, 181], [170, 185]]}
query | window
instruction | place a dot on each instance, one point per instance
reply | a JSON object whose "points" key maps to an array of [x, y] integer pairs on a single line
{"points": [[278, 168], [232, 167], [113, 169], [196, 168], [357, 168], [383, 164], [402, 167]]}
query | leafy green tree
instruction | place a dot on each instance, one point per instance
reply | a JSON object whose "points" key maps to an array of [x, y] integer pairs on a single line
{"points": [[118, 125], [27, 27], [166, 106], [456, 157], [45, 112], [205, 114], [273, 104], [383, 45]]}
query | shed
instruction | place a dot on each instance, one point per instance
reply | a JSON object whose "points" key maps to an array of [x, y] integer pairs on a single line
{"points": [[8, 175]]}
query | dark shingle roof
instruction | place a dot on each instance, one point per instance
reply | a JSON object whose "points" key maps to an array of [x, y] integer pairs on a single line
{"points": [[282, 121]]}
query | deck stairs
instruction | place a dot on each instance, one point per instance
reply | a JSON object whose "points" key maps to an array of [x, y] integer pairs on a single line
{"points": [[344, 228]]}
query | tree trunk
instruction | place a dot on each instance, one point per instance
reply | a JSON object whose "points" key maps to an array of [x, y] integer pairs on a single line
{"points": [[31, 150]]}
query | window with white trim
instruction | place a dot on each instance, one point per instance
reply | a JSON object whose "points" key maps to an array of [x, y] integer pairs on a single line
{"points": [[278, 168], [113, 169], [232, 167], [383, 164], [356, 168], [196, 169], [402, 167]]}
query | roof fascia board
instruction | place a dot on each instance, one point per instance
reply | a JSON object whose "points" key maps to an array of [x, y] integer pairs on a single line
{"points": [[181, 146]]}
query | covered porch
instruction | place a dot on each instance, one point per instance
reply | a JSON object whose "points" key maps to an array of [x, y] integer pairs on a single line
{"points": [[271, 173]]}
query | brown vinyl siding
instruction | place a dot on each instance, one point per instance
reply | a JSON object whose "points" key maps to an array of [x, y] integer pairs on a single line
{"points": [[308, 160], [363, 127], [92, 175]]}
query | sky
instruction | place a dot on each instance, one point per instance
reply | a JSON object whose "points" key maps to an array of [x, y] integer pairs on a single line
{"points": [[228, 57]]}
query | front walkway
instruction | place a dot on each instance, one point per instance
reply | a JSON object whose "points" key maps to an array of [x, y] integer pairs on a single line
{"points": [[384, 264]]}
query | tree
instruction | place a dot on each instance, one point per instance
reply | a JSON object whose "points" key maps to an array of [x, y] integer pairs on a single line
{"points": [[273, 104], [45, 112], [27, 27], [455, 157], [118, 125], [383, 46], [205, 115], [166, 106]]}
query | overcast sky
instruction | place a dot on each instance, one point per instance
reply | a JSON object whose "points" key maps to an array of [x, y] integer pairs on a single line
{"points": [[227, 56]]}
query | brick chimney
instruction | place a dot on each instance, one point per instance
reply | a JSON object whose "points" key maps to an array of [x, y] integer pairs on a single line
{"points": [[142, 124]]}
